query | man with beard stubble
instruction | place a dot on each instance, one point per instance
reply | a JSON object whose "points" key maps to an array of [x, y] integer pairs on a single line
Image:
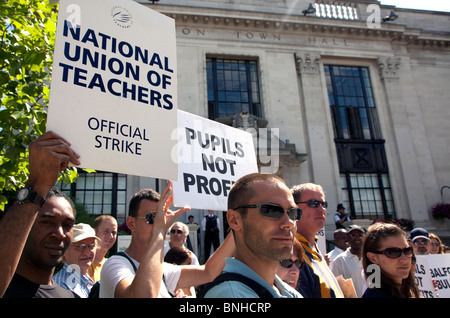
{"points": [[262, 214]]}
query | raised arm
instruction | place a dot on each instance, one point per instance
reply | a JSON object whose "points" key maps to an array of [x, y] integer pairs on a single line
{"points": [[197, 275], [147, 281], [48, 156]]}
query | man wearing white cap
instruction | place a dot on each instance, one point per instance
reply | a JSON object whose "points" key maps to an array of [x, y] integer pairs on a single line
{"points": [[78, 258]]}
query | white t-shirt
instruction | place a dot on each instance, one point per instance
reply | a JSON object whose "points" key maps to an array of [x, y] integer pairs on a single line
{"points": [[350, 266], [117, 268], [334, 253]]}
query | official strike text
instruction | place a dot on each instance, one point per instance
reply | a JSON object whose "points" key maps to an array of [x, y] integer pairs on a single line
{"points": [[116, 136]]}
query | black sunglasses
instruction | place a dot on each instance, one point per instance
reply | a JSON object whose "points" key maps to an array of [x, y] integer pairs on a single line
{"points": [[149, 217], [395, 252], [315, 203], [274, 211], [420, 242], [173, 231], [287, 263]]}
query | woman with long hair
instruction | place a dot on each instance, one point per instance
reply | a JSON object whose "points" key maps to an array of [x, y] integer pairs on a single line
{"points": [[386, 246], [436, 244]]}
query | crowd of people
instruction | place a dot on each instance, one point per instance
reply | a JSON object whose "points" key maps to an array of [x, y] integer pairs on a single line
{"points": [[271, 252]]}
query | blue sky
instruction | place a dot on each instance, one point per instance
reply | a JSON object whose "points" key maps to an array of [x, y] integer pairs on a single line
{"points": [[435, 5]]}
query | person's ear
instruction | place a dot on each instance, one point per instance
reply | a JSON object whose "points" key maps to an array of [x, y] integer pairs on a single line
{"points": [[234, 220], [130, 221], [372, 257]]}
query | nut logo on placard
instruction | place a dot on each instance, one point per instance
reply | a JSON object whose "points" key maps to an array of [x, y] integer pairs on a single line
{"points": [[122, 17]]}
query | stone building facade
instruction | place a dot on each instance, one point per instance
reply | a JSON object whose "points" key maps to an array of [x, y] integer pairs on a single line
{"points": [[356, 103]]}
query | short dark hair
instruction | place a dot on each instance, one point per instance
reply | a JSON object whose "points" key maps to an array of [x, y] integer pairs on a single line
{"points": [[144, 194], [59, 194], [242, 190], [177, 255], [298, 190]]}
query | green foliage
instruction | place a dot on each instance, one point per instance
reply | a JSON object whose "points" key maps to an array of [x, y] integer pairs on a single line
{"points": [[83, 215], [27, 31]]}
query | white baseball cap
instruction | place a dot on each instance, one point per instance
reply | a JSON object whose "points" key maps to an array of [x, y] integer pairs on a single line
{"points": [[83, 231]]}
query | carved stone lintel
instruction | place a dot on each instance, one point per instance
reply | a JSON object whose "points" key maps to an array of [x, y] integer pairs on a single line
{"points": [[307, 63], [243, 120], [388, 67], [276, 153]]}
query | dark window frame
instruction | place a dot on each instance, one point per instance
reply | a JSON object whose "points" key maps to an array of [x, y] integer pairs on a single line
{"points": [[352, 103], [233, 86], [362, 206], [359, 147], [81, 193]]}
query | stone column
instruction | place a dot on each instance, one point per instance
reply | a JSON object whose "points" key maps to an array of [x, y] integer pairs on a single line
{"points": [[193, 237], [409, 146], [321, 151]]}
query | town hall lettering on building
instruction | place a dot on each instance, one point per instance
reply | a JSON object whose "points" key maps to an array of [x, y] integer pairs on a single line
{"points": [[264, 36]]}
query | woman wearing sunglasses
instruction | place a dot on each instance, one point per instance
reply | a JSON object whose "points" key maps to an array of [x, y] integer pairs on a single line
{"points": [[386, 246], [289, 269]]}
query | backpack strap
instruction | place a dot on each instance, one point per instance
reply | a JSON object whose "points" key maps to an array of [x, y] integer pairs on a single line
{"points": [[227, 276], [129, 259], [95, 289], [135, 270], [164, 281]]}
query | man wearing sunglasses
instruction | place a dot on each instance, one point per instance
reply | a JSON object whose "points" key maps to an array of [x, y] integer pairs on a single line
{"points": [[316, 278], [421, 241], [149, 219], [262, 215], [179, 233]]}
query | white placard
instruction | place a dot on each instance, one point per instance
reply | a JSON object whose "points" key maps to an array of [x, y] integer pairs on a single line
{"points": [[435, 268], [114, 86], [212, 157], [123, 241], [321, 241]]}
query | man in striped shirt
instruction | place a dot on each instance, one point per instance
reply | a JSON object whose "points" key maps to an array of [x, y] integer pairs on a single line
{"points": [[77, 259], [316, 278]]}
